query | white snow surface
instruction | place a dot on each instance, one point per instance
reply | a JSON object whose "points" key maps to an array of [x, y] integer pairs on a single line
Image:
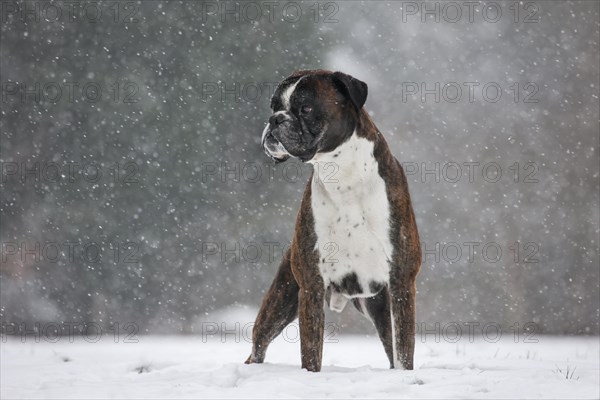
{"points": [[354, 367]]}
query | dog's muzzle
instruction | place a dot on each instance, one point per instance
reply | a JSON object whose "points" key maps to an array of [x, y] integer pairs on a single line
{"points": [[273, 147]]}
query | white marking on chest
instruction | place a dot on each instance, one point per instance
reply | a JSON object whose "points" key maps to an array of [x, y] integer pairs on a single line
{"points": [[351, 213]]}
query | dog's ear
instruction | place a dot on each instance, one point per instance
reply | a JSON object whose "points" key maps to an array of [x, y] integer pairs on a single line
{"points": [[356, 89]]}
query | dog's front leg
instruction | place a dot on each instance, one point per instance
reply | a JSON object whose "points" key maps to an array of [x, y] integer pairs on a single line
{"points": [[312, 320]]}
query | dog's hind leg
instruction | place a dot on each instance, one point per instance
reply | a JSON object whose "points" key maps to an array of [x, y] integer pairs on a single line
{"points": [[377, 310], [279, 307]]}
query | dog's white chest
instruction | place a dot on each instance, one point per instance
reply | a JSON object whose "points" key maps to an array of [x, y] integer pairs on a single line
{"points": [[351, 213]]}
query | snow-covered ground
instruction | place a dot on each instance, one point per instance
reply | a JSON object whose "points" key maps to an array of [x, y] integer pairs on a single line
{"points": [[355, 366]]}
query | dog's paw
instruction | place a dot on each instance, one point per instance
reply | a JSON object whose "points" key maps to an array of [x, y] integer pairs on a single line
{"points": [[252, 360]]}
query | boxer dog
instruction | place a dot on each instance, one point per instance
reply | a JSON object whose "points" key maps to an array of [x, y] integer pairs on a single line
{"points": [[356, 236]]}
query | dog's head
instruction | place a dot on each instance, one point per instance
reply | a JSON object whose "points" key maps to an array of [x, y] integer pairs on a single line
{"points": [[313, 112]]}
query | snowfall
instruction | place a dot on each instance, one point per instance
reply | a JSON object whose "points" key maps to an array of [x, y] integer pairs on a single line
{"points": [[354, 366]]}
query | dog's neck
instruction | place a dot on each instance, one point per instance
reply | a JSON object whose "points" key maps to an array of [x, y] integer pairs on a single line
{"points": [[353, 162]]}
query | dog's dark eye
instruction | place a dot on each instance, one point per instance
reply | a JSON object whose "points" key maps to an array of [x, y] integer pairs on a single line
{"points": [[305, 110]]}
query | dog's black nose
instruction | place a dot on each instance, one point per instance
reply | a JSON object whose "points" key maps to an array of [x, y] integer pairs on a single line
{"points": [[276, 119]]}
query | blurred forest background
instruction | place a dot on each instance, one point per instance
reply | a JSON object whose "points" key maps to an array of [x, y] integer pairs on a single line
{"points": [[150, 201]]}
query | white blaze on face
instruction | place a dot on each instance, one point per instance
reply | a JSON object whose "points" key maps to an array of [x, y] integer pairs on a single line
{"points": [[287, 94]]}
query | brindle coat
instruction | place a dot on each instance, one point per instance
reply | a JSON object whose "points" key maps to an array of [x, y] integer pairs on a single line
{"points": [[298, 288]]}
